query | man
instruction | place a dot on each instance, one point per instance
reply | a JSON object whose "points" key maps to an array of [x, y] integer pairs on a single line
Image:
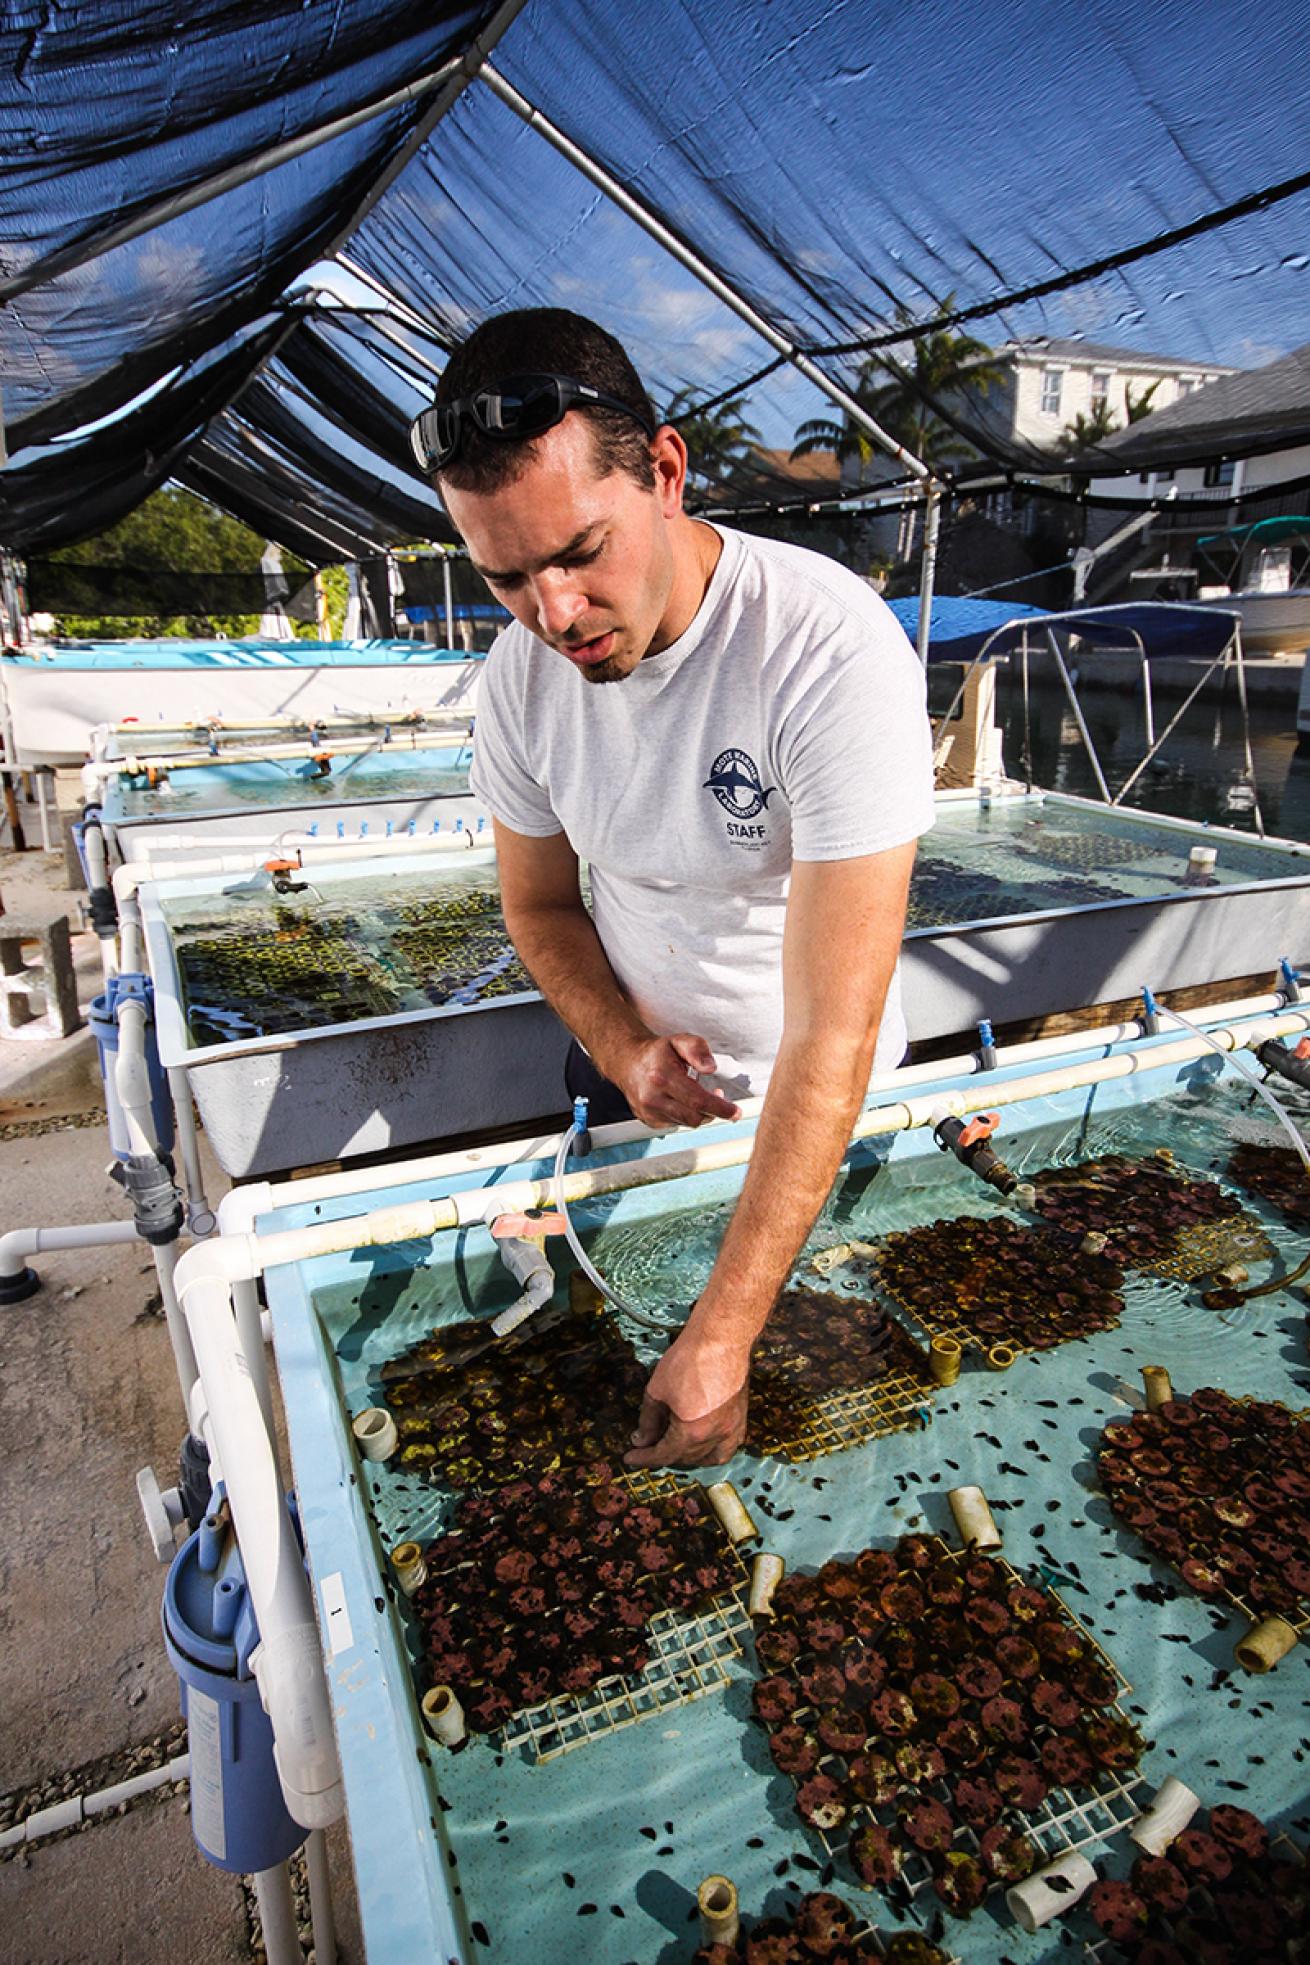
{"points": [[731, 733]]}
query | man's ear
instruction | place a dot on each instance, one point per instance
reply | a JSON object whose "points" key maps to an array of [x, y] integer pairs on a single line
{"points": [[669, 457]]}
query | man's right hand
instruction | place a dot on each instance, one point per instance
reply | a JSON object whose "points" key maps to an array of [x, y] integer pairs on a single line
{"points": [[656, 1079]]}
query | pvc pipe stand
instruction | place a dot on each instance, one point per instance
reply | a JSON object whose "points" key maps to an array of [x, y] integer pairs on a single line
{"points": [[974, 1518], [1159, 1387], [716, 1900], [444, 1716], [375, 1433], [1050, 1891], [732, 1512], [766, 1573], [945, 1356], [1264, 1644], [409, 1565]]}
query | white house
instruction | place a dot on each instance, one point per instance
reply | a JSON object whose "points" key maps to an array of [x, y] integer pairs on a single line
{"points": [[1050, 382]]}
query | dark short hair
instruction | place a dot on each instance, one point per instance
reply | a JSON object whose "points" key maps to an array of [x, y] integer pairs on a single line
{"points": [[548, 340]]}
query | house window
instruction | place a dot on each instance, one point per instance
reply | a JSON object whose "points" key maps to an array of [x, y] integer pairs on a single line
{"points": [[1052, 384], [1100, 388], [1218, 474], [1186, 384]]}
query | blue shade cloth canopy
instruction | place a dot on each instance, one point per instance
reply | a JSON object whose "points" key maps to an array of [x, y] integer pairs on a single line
{"points": [[858, 175]]}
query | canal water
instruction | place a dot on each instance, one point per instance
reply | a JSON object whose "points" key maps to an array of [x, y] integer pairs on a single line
{"points": [[1199, 774]]}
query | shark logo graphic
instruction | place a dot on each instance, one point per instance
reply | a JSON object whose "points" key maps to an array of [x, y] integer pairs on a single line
{"points": [[735, 781]]}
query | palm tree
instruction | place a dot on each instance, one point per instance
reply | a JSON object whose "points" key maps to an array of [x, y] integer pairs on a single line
{"points": [[718, 440], [1085, 431], [902, 399], [1140, 406]]}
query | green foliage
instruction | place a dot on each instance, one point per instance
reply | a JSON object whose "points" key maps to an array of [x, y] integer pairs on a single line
{"points": [[1140, 406], [1084, 431], [945, 366], [718, 441], [175, 531]]}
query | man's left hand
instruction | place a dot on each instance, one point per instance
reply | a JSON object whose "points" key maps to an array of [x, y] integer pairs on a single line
{"points": [[693, 1413]]}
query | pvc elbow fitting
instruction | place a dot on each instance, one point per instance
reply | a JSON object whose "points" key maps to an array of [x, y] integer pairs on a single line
{"points": [[1167, 1817]]}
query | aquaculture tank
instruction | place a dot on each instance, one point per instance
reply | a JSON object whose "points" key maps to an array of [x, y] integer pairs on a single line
{"points": [[1026, 906], [1019, 908], [350, 1007], [55, 696], [366, 793], [1029, 1581]]}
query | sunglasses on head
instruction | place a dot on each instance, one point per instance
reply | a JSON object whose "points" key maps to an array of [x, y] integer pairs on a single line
{"points": [[513, 411]]}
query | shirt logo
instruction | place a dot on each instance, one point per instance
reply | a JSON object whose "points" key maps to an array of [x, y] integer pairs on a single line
{"points": [[735, 781]]}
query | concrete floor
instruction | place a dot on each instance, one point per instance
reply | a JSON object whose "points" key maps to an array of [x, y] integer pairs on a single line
{"points": [[88, 1395]]}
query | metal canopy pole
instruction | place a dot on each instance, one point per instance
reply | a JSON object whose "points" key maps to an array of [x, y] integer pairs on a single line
{"points": [[231, 179], [649, 223], [1077, 709]]}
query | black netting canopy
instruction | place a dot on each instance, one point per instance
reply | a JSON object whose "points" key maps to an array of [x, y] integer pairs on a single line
{"points": [[863, 178]]}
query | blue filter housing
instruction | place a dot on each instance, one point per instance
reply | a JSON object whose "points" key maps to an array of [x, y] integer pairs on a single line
{"points": [[238, 1816], [102, 1015]]}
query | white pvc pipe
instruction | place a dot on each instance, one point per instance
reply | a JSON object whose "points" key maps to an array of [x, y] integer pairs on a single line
{"points": [[132, 1075], [19, 1243], [77, 1808], [251, 856], [99, 770], [288, 1661], [321, 1917], [200, 1216], [277, 1915], [278, 722], [240, 1206], [237, 1254], [167, 1256]]}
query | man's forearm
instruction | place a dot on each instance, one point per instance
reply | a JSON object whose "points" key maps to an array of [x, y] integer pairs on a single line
{"points": [[561, 951], [814, 1096]]}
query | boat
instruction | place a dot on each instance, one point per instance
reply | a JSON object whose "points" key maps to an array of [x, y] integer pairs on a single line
{"points": [[1261, 573]]}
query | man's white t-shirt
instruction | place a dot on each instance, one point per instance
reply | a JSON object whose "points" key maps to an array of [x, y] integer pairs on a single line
{"points": [[787, 723]]}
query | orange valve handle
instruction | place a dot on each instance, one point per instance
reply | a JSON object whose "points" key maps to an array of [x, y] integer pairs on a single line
{"points": [[527, 1227], [981, 1126]]}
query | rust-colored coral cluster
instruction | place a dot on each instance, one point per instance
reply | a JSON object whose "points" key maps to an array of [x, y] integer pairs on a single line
{"points": [[995, 1279], [545, 1587], [819, 1927], [1276, 1174], [927, 1702], [817, 1343], [1144, 1207], [1220, 1489], [1219, 1893]]}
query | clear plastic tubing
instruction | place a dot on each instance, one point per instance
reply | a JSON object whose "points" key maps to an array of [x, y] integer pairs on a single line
{"points": [[1234, 1058], [584, 1261]]}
